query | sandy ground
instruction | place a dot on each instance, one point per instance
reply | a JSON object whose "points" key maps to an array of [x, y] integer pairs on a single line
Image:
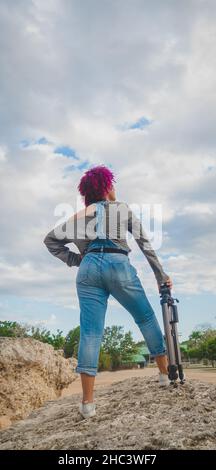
{"points": [[133, 413], [104, 379]]}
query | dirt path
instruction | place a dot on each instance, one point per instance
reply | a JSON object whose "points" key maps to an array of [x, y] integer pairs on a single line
{"points": [[104, 379]]}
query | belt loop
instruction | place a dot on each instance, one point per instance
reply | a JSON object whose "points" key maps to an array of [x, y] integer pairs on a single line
{"points": [[101, 249]]}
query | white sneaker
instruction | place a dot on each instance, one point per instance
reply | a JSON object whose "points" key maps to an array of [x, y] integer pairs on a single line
{"points": [[184, 378], [163, 380], [87, 410]]}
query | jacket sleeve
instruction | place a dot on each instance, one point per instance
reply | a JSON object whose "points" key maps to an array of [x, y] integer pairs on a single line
{"points": [[55, 243], [135, 227]]}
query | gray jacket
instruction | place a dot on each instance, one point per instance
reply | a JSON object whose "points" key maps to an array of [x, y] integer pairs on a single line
{"points": [[81, 229]]}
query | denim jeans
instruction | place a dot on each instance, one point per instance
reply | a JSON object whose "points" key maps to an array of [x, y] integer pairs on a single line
{"points": [[100, 275]]}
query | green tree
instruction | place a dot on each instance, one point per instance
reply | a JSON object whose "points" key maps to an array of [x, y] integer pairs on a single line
{"points": [[58, 340], [13, 329], [104, 362], [111, 343], [195, 338], [211, 348], [16, 330], [72, 342], [118, 345], [128, 347], [202, 344], [43, 335]]}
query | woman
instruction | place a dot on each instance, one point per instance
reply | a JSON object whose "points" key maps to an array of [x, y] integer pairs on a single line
{"points": [[99, 231]]}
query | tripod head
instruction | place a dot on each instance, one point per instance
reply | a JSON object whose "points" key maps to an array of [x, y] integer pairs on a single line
{"points": [[165, 294], [164, 289]]}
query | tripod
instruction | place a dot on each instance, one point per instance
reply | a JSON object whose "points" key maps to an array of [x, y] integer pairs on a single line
{"points": [[170, 320]]}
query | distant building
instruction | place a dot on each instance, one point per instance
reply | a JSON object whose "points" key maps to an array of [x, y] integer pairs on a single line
{"points": [[141, 359]]}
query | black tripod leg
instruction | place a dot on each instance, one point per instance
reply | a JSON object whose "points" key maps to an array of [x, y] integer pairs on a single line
{"points": [[178, 353], [172, 368]]}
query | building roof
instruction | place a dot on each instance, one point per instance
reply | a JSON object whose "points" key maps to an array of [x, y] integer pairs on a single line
{"points": [[140, 356]]}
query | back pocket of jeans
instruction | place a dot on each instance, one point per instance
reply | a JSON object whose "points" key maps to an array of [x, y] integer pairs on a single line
{"points": [[83, 271], [122, 272]]}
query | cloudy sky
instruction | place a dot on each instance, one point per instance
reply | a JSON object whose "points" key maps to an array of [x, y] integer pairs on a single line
{"points": [[129, 84]]}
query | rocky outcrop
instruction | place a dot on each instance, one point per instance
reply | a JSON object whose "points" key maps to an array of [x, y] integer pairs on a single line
{"points": [[31, 372], [131, 414]]}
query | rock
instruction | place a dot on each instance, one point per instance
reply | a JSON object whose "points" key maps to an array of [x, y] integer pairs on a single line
{"points": [[154, 423], [31, 373], [5, 422], [72, 362]]}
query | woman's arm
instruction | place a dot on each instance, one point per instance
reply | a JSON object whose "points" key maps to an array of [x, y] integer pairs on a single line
{"points": [[135, 227], [56, 240]]}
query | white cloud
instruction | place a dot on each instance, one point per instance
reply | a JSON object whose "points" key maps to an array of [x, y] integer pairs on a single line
{"points": [[201, 208], [3, 152], [47, 322]]}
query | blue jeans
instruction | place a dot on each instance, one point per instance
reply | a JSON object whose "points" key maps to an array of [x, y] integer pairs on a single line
{"points": [[98, 276]]}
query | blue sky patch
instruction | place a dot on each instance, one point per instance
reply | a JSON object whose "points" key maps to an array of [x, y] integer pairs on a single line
{"points": [[42, 141], [81, 166], [25, 143], [66, 151], [139, 124]]}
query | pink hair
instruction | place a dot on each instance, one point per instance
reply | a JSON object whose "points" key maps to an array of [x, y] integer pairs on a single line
{"points": [[95, 184]]}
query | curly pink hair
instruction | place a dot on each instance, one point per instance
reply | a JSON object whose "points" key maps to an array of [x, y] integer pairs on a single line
{"points": [[95, 184]]}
